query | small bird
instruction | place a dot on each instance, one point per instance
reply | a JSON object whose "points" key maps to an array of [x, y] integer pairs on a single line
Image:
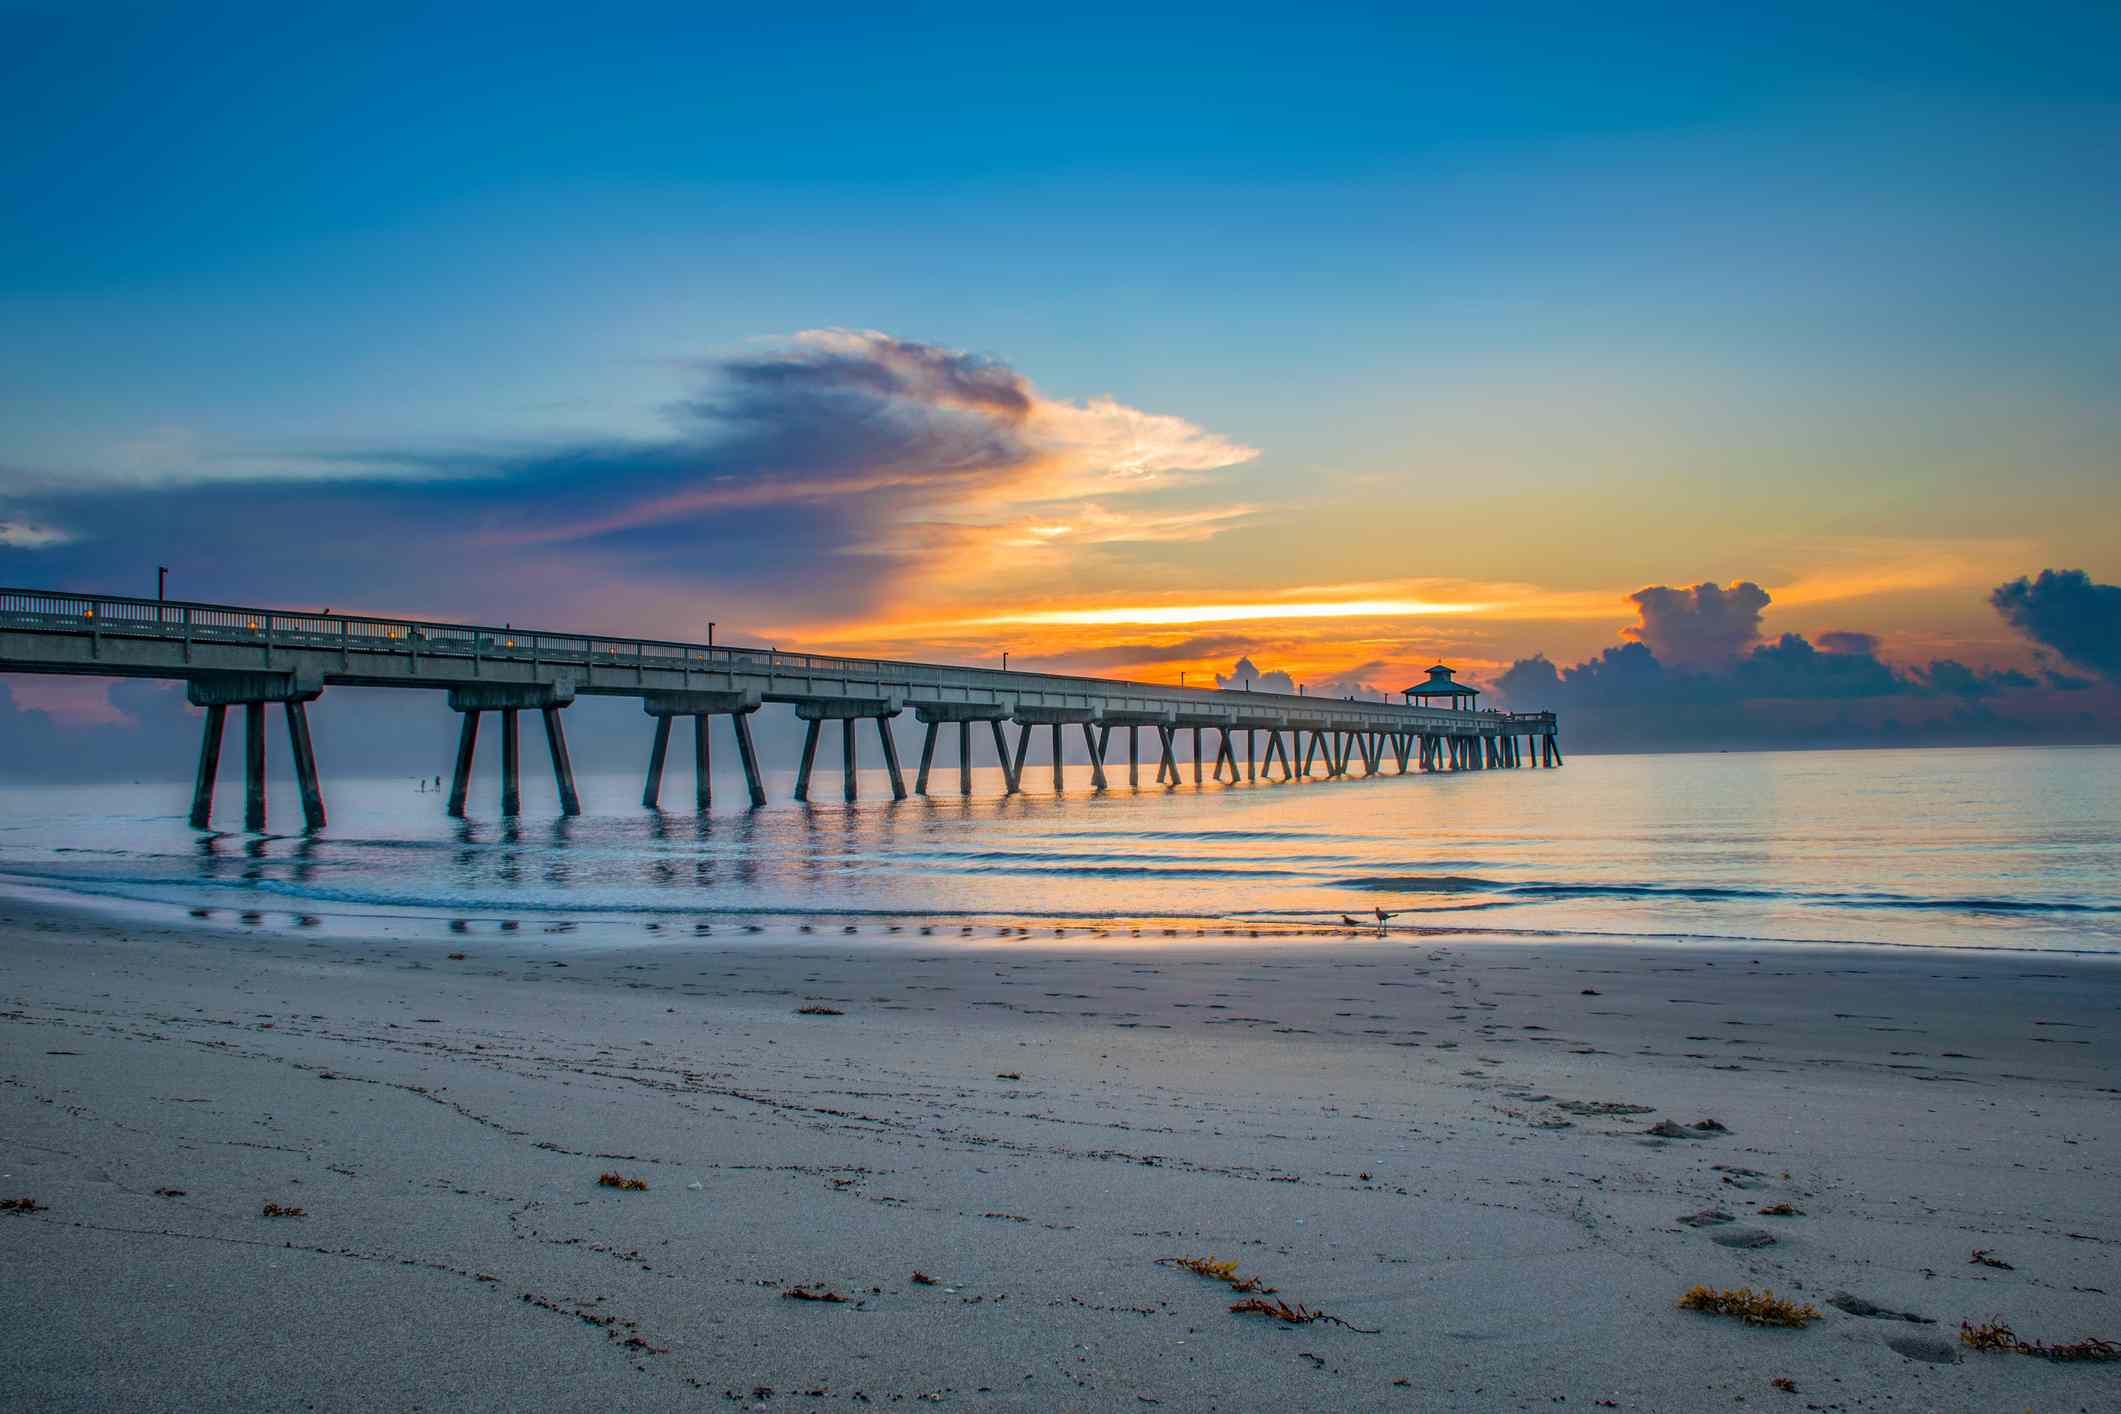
{"points": [[1384, 917]]}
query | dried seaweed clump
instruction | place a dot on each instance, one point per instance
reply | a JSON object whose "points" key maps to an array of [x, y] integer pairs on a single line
{"points": [[810, 1291], [1297, 1315], [816, 1009], [21, 1205], [275, 1210], [923, 1279], [1985, 1258], [1217, 1271], [1755, 1309], [1782, 1210], [1995, 1336], [621, 1181]]}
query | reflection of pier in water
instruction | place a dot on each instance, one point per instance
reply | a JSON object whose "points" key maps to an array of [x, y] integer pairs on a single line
{"points": [[255, 658]]}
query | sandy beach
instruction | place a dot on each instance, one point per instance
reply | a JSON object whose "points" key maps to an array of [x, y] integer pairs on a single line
{"points": [[1446, 1144]]}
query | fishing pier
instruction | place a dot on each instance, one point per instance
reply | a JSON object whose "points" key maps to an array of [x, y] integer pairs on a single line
{"points": [[255, 659]]}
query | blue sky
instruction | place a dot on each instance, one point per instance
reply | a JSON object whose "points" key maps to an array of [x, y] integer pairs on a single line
{"points": [[1524, 310]]}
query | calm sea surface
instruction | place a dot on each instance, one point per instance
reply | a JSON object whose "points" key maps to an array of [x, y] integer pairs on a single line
{"points": [[2014, 848]]}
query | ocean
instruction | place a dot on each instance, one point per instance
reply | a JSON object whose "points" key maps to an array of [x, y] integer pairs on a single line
{"points": [[2016, 848]]}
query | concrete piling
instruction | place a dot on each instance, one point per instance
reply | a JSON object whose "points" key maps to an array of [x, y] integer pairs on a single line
{"points": [[920, 781], [254, 766], [1010, 784], [702, 762], [802, 770], [658, 750], [511, 762], [202, 793], [898, 781], [305, 764], [467, 747], [563, 764], [1096, 744], [848, 765]]}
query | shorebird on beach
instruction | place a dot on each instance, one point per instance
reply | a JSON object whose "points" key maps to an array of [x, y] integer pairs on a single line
{"points": [[1384, 917], [1352, 922]]}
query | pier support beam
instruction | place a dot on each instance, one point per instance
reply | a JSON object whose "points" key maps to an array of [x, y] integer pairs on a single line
{"points": [[305, 754], [254, 766], [1010, 784], [749, 755], [964, 758], [898, 780], [202, 791], [920, 781], [563, 764], [802, 770], [1096, 743], [658, 749], [511, 762], [1167, 771], [1134, 755], [849, 768], [702, 761], [467, 747]]}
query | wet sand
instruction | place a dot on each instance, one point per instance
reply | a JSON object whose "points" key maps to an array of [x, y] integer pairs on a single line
{"points": [[1448, 1142]]}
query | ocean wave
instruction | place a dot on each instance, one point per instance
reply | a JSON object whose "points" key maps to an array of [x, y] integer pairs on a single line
{"points": [[1713, 893]]}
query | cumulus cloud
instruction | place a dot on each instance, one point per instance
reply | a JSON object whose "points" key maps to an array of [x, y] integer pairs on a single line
{"points": [[1841, 640], [1949, 676], [1245, 676], [1791, 669], [1127, 655], [2066, 611], [1354, 682], [1698, 627], [1793, 692]]}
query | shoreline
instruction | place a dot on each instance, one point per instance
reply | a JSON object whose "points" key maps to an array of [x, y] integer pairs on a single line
{"points": [[1406, 1133], [882, 927]]}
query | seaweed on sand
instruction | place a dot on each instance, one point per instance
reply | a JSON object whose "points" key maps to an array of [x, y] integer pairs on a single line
{"points": [[1217, 1271], [1995, 1336], [810, 1291], [621, 1181], [1297, 1315], [1755, 1309]]}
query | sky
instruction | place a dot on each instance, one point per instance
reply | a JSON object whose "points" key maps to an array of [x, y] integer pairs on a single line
{"points": [[1142, 343]]}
